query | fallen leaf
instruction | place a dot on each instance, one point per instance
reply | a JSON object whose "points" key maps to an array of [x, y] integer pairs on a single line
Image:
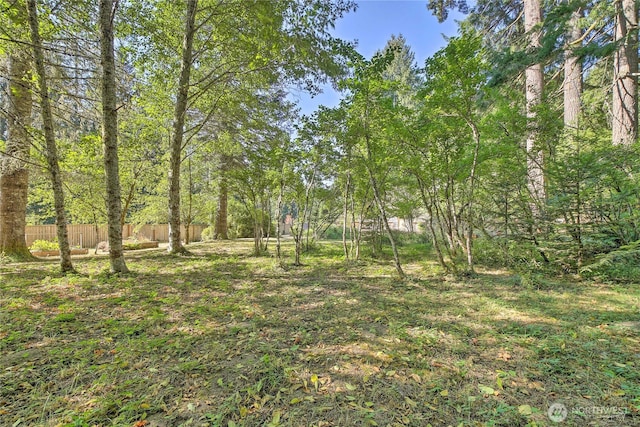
{"points": [[410, 402], [525, 410], [486, 390], [276, 418], [504, 355]]}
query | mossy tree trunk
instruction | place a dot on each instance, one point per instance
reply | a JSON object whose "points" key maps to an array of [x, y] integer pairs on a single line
{"points": [[14, 175]]}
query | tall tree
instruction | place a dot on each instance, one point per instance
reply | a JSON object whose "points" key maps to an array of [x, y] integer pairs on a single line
{"points": [[625, 74], [455, 77], [373, 117], [51, 150], [572, 87], [14, 175], [403, 71], [107, 11], [175, 244], [534, 86]]}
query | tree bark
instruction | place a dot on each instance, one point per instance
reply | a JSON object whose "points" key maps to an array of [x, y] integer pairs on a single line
{"points": [[472, 184], [572, 88], [51, 150], [221, 224], [534, 86], [175, 245], [279, 216], [625, 70], [110, 136], [14, 175], [345, 213], [189, 219]]}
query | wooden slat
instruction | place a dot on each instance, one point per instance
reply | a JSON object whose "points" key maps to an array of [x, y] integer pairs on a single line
{"points": [[84, 235]]}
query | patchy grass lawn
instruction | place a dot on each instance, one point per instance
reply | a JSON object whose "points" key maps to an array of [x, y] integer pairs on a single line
{"points": [[226, 339]]}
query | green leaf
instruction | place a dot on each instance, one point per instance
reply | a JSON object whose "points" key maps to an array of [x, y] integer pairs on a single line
{"points": [[525, 410], [486, 390]]}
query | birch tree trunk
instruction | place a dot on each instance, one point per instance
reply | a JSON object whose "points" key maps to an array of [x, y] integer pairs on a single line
{"points": [[51, 150], [110, 135], [14, 175], [175, 245], [625, 70], [534, 86]]}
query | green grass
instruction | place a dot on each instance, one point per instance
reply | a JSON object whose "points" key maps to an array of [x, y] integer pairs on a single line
{"points": [[223, 338]]}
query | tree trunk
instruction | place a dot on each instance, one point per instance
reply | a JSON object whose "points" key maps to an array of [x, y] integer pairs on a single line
{"points": [[175, 245], [383, 213], [267, 203], [625, 70], [14, 175], [221, 224], [298, 234], [110, 136], [432, 230], [189, 218], [51, 150], [345, 213], [472, 184], [534, 82], [572, 88], [279, 217]]}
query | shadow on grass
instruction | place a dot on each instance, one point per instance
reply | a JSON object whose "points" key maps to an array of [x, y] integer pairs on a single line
{"points": [[223, 336]]}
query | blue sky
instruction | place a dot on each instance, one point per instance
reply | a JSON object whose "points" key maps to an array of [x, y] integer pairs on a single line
{"points": [[373, 23]]}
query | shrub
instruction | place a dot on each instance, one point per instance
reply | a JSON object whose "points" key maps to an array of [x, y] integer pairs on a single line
{"points": [[44, 245], [621, 265], [504, 252], [334, 232], [241, 225], [208, 234], [403, 238]]}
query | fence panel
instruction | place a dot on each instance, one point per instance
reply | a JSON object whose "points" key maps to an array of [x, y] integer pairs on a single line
{"points": [[86, 235]]}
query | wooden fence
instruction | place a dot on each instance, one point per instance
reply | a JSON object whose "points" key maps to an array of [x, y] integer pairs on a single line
{"points": [[86, 235]]}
